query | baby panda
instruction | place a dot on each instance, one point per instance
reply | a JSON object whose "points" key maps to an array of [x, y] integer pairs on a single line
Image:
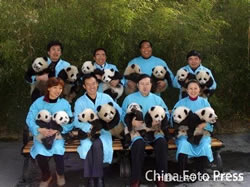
{"points": [[110, 119], [88, 67], [132, 72], [206, 82], [39, 66], [134, 110], [160, 73], [89, 116], [114, 91], [189, 121], [72, 85], [156, 114], [183, 76]]}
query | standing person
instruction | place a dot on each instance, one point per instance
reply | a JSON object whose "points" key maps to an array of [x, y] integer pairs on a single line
{"points": [[100, 57], [185, 149], [146, 99], [56, 64], [147, 62], [194, 66], [100, 150], [53, 103]]}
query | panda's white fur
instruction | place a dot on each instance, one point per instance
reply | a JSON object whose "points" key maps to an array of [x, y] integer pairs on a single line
{"points": [[203, 77], [107, 75], [40, 64], [182, 74], [207, 114], [157, 113], [132, 106], [159, 72], [88, 67], [88, 115], [44, 115], [61, 118], [133, 68], [72, 73], [180, 114]]}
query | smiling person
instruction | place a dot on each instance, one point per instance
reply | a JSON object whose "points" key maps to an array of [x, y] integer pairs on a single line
{"points": [[193, 67], [52, 103], [147, 62], [185, 149], [56, 64], [100, 150], [147, 100]]}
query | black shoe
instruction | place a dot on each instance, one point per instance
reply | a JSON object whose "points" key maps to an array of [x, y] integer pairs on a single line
{"points": [[99, 182], [91, 182]]}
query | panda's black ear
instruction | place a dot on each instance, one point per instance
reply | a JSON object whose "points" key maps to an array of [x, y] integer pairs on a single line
{"points": [[39, 115], [203, 112], [153, 69], [45, 58], [207, 73], [110, 103], [133, 66], [99, 108], [185, 111], [197, 72], [112, 70], [185, 70], [68, 69], [152, 108], [92, 116], [83, 115], [165, 109], [63, 75], [55, 115], [93, 63], [140, 106], [165, 68]]}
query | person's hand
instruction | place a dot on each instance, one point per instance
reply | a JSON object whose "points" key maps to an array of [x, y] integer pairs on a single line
{"points": [[114, 83], [99, 77], [45, 132], [161, 86], [43, 77], [155, 123], [137, 123], [202, 126], [52, 132]]}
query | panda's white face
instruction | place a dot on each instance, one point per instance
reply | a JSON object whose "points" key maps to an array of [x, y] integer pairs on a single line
{"points": [[106, 112], [39, 64], [207, 114], [134, 68], [88, 115], [61, 118], [202, 77], [159, 72], [182, 74], [44, 115], [108, 74], [88, 67], [72, 73], [180, 114], [134, 106], [157, 113]]}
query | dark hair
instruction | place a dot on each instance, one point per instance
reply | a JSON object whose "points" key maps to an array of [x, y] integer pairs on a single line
{"points": [[193, 81], [53, 43], [99, 49], [53, 81], [88, 76], [143, 76], [141, 42], [193, 53]]}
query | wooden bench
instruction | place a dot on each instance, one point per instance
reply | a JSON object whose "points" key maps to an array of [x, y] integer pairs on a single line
{"points": [[124, 159]]}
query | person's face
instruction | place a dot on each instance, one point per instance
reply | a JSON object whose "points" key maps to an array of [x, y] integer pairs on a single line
{"points": [[146, 50], [55, 91], [144, 86], [55, 53], [90, 85], [194, 62], [193, 90], [100, 57]]}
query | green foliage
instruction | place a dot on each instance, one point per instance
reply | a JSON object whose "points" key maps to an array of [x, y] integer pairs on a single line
{"points": [[218, 29]]}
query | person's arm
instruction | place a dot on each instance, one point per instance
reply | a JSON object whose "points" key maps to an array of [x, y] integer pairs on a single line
{"points": [[30, 120]]}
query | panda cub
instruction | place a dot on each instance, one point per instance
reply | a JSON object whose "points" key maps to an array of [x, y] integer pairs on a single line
{"points": [[109, 75], [206, 82], [110, 119], [39, 66], [160, 73], [88, 67], [183, 77], [156, 114], [134, 110], [189, 121], [71, 78], [89, 116]]}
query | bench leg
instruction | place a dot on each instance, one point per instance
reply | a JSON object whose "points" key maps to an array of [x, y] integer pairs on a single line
{"points": [[218, 161]]}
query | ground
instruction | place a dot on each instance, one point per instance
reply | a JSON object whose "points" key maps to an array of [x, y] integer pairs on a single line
{"points": [[235, 156]]}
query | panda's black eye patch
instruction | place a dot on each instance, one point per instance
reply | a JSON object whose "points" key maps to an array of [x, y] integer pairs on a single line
{"points": [[61, 118], [105, 115], [39, 116], [205, 79], [46, 117], [88, 67], [199, 79], [161, 71], [157, 115], [83, 115], [40, 63], [92, 116], [179, 116], [72, 75], [112, 112], [210, 115]]}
